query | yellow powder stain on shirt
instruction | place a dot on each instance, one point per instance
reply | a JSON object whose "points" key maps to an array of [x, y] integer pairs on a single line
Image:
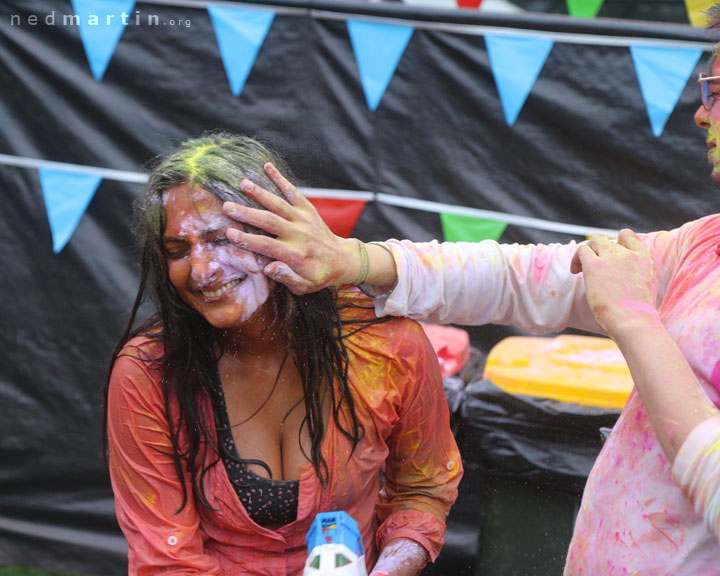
{"points": [[714, 448], [150, 499]]}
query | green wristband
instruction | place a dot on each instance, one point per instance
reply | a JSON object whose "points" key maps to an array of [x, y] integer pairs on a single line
{"points": [[364, 264]]}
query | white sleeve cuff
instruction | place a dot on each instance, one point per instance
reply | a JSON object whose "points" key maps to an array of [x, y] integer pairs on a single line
{"points": [[697, 471]]}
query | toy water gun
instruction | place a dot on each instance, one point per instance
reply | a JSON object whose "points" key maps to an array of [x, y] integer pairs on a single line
{"points": [[335, 546]]}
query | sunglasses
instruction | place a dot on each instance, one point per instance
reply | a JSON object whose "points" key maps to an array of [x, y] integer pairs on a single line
{"points": [[708, 99]]}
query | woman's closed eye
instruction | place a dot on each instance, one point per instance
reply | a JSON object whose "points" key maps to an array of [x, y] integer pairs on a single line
{"points": [[216, 237], [175, 254], [175, 251]]}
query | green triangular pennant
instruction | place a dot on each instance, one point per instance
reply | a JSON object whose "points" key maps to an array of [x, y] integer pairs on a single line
{"points": [[457, 228], [584, 8]]}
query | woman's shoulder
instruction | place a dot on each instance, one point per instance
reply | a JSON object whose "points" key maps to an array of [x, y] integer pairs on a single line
{"points": [[386, 335], [139, 363], [356, 306], [146, 347], [135, 402], [391, 361]]}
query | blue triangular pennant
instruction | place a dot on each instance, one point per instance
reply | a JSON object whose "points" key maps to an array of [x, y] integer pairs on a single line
{"points": [[378, 49], [239, 33], [663, 73], [67, 195], [101, 24], [516, 63]]}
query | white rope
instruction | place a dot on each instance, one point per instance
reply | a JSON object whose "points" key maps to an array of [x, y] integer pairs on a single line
{"points": [[338, 194]]}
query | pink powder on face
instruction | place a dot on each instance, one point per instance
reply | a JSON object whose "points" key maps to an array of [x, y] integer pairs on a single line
{"points": [[195, 225], [252, 292], [215, 262], [229, 262]]}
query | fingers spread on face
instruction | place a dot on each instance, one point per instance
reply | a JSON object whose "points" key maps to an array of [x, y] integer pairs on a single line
{"points": [[261, 219], [267, 199], [283, 274], [283, 184], [290, 192], [257, 243]]}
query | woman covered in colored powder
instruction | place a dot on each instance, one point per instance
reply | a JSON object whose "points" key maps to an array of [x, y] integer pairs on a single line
{"points": [[239, 411], [652, 500]]}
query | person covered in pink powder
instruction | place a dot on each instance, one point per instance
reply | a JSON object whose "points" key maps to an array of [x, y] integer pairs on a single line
{"points": [[239, 411], [651, 505]]}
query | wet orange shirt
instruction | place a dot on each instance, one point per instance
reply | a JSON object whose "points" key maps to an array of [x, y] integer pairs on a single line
{"points": [[399, 399]]}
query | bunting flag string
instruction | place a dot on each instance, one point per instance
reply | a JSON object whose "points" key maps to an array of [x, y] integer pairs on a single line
{"points": [[663, 74], [67, 196], [516, 59], [101, 23], [378, 49], [69, 188], [584, 8], [510, 219], [516, 62], [459, 228], [240, 34]]}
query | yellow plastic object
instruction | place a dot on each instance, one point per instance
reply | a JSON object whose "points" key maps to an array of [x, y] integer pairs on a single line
{"points": [[586, 370], [696, 11]]}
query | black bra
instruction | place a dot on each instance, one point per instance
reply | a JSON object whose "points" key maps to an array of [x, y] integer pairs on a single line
{"points": [[267, 501]]}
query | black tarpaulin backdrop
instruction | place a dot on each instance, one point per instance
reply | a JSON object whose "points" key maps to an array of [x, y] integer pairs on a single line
{"points": [[581, 152]]}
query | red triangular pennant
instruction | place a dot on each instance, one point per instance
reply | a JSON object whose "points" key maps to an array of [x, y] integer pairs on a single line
{"points": [[474, 4], [340, 215]]}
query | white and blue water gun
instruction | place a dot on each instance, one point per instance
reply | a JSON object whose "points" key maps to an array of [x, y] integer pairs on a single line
{"points": [[335, 546]]}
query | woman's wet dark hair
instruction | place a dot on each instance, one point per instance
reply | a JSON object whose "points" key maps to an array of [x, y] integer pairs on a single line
{"points": [[217, 163]]}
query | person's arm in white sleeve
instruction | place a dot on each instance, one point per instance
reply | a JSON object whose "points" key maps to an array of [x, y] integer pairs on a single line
{"points": [[528, 286]]}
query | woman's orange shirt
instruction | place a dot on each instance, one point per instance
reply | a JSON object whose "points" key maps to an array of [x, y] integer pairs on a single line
{"points": [[400, 402]]}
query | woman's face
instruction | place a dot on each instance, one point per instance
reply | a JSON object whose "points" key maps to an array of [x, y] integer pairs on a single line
{"points": [[223, 283]]}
